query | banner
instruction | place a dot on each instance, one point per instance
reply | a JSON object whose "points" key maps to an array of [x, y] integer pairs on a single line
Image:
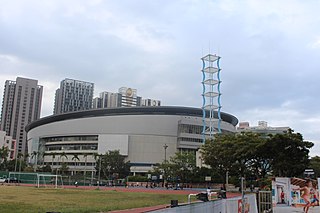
{"points": [[294, 191]]}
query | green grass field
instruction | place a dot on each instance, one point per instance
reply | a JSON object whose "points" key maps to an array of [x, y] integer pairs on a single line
{"points": [[30, 199]]}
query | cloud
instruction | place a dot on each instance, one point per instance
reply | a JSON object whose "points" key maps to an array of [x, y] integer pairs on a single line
{"points": [[270, 58], [315, 44], [287, 115]]}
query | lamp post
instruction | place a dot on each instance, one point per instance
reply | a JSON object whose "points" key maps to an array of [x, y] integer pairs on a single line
{"points": [[100, 156], [242, 195], [165, 161], [165, 152]]}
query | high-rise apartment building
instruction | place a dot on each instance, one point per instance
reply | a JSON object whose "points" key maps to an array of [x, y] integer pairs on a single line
{"points": [[126, 97], [129, 97], [21, 105], [107, 100], [73, 95]]}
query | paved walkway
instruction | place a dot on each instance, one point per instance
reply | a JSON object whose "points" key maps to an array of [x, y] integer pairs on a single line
{"points": [[288, 209]]}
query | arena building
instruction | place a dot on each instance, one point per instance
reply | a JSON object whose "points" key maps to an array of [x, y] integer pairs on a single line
{"points": [[145, 135]]}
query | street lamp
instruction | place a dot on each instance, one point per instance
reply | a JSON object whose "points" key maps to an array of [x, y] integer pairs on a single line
{"points": [[165, 161], [242, 195], [100, 156], [165, 152]]}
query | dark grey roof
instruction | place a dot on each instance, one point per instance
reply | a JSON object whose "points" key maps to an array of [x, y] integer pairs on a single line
{"points": [[158, 110]]}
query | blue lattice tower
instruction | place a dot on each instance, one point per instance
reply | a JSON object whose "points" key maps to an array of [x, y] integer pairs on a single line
{"points": [[211, 95]]}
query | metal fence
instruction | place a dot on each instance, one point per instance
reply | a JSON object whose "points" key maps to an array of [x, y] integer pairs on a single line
{"points": [[265, 202]]}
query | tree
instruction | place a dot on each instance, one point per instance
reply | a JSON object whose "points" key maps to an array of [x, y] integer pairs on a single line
{"points": [[4, 153], [64, 167], [34, 155], [63, 156], [19, 163], [45, 168], [183, 165], [200, 173], [180, 167], [41, 156], [289, 154], [53, 155], [85, 155], [232, 153], [113, 165], [11, 165], [20, 156], [254, 156], [75, 158], [315, 165]]}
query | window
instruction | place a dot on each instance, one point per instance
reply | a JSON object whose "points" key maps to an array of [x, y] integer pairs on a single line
{"points": [[71, 138], [191, 129], [195, 140], [72, 147]]}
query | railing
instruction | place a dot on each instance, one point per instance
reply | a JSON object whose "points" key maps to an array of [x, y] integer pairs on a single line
{"points": [[265, 202]]}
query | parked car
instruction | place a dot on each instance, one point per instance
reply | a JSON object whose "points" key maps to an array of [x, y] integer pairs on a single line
{"points": [[2, 180], [12, 180]]}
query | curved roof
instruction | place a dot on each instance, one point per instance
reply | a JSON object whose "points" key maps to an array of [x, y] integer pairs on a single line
{"points": [[158, 110]]}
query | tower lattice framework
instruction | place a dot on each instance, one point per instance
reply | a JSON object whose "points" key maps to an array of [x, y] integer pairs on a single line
{"points": [[211, 95]]}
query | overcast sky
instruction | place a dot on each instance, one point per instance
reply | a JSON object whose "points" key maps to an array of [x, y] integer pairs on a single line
{"points": [[270, 52]]}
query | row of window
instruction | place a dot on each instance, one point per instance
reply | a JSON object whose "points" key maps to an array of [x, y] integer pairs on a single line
{"points": [[72, 147], [71, 138], [196, 140], [191, 129], [72, 163]]}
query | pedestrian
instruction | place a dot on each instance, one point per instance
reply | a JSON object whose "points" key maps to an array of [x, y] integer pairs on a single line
{"points": [[315, 200], [306, 192], [282, 196]]}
